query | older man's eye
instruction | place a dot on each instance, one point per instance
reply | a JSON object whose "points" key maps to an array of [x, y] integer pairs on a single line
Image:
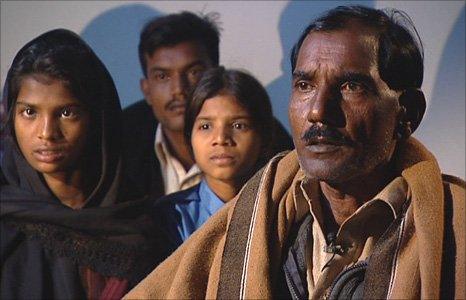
{"points": [[353, 87], [303, 86]]}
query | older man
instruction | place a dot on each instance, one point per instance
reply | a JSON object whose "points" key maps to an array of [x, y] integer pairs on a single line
{"points": [[360, 209]]}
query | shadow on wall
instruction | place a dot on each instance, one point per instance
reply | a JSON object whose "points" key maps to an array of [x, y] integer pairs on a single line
{"points": [[114, 36], [443, 128], [293, 20]]}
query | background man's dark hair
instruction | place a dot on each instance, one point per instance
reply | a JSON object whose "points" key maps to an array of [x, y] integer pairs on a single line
{"points": [[173, 29], [400, 52], [246, 89]]}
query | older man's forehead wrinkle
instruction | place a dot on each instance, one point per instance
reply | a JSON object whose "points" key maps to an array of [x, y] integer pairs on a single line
{"points": [[317, 68], [303, 74], [318, 55]]}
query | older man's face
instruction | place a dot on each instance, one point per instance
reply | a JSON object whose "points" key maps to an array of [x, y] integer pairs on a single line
{"points": [[342, 114]]}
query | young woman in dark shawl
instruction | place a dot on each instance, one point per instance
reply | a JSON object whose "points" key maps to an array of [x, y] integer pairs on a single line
{"points": [[64, 233]]}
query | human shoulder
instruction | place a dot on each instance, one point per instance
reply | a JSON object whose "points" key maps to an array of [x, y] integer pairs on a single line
{"points": [[453, 180], [3, 180], [282, 139], [138, 114], [455, 188], [139, 126], [137, 107], [11, 238], [191, 193]]}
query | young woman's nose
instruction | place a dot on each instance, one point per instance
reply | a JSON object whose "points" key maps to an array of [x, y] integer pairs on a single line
{"points": [[222, 136], [49, 129]]}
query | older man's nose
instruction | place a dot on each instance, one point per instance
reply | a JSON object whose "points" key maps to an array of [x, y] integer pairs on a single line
{"points": [[325, 108]]}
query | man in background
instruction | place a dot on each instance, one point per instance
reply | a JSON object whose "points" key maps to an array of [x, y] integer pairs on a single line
{"points": [[174, 51]]}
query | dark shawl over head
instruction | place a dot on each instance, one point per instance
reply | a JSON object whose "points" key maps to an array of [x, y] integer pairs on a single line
{"points": [[43, 242]]}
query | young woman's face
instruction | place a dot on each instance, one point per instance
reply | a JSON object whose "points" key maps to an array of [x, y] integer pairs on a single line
{"points": [[226, 146], [51, 126]]}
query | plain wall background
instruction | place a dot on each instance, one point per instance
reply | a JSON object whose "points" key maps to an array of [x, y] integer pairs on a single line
{"points": [[257, 36]]}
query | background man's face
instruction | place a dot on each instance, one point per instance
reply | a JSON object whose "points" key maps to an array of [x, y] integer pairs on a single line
{"points": [[342, 114], [171, 74]]}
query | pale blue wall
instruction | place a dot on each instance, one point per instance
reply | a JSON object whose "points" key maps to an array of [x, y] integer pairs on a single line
{"points": [[258, 36]]}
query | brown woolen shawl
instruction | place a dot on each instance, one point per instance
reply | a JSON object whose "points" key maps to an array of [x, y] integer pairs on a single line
{"points": [[43, 242], [238, 251]]}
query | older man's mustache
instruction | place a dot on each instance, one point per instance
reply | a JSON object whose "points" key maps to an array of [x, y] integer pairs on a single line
{"points": [[320, 133]]}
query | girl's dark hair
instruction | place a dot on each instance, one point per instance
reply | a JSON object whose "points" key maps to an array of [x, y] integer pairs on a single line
{"points": [[247, 90], [400, 56]]}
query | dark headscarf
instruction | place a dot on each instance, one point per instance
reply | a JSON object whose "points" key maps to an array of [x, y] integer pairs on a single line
{"points": [[45, 243]]}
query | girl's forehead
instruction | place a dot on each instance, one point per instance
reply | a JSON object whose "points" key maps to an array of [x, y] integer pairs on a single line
{"points": [[223, 105], [41, 91]]}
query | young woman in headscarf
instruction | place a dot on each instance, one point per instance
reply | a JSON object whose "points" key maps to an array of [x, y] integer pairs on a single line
{"points": [[64, 232]]}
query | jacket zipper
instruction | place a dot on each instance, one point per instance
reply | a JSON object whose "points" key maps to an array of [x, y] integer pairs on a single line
{"points": [[358, 265], [291, 286]]}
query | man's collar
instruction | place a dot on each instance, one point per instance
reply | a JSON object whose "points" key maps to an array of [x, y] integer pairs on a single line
{"points": [[160, 144], [164, 155]]}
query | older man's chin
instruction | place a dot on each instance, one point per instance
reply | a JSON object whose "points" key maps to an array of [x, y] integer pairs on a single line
{"points": [[328, 170]]}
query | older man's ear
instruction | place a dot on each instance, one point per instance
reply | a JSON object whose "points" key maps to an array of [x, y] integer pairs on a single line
{"points": [[413, 104]]}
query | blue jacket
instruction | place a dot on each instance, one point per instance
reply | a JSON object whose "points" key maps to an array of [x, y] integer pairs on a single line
{"points": [[183, 212]]}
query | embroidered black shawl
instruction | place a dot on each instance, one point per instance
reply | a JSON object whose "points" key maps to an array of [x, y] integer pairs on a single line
{"points": [[43, 242]]}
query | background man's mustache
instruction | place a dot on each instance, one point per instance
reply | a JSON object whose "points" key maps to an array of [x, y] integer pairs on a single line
{"points": [[174, 103]]}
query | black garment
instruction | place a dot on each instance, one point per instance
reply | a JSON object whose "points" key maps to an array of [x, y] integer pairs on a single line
{"points": [[141, 166], [44, 244]]}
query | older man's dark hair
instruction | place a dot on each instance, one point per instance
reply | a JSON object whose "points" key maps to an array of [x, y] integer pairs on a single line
{"points": [[400, 52]]}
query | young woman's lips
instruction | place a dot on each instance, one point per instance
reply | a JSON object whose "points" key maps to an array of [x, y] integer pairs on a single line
{"points": [[49, 155], [222, 159]]}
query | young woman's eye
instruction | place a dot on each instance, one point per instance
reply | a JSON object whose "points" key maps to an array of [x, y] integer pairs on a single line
{"points": [[240, 126], [28, 112], [204, 126], [68, 113]]}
